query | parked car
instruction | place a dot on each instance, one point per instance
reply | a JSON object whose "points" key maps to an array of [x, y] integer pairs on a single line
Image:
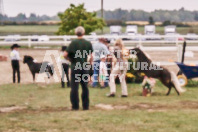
{"points": [[13, 38], [93, 37], [150, 32], [35, 38], [44, 38], [131, 32], [115, 30], [170, 33], [191, 36]]}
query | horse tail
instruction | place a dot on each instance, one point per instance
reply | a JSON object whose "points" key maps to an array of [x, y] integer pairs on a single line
{"points": [[175, 82]]}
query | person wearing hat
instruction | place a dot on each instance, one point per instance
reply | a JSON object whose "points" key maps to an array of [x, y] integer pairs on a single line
{"points": [[65, 67], [14, 55], [103, 71], [99, 49]]}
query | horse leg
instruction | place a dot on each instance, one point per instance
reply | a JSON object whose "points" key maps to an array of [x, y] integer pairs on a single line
{"points": [[33, 74], [48, 75], [169, 89], [175, 89], [167, 84]]}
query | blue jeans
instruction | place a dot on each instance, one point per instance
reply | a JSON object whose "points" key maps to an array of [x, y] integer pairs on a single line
{"points": [[96, 66]]}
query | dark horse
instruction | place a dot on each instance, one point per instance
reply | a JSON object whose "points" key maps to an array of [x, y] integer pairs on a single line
{"points": [[38, 67], [169, 79]]}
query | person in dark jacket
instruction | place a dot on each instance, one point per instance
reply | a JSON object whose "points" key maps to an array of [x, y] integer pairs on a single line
{"points": [[78, 52], [14, 55]]}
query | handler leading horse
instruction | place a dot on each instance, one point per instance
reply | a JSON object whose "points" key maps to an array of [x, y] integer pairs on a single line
{"points": [[169, 79]]}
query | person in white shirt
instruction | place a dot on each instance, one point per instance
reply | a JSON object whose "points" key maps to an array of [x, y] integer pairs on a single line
{"points": [[103, 71], [65, 67], [14, 55]]}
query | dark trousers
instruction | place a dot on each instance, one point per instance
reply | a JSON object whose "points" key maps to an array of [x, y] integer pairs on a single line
{"points": [[65, 71], [16, 69], [79, 76]]}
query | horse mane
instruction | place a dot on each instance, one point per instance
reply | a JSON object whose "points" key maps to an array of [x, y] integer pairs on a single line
{"points": [[28, 59], [142, 56]]}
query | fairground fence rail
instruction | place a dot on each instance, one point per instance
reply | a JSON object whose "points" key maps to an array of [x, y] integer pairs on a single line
{"points": [[149, 42]]}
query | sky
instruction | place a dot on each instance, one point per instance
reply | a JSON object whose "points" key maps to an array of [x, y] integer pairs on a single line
{"points": [[52, 7]]}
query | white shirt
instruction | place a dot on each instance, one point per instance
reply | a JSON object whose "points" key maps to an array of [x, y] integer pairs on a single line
{"points": [[103, 69], [62, 59], [14, 55]]}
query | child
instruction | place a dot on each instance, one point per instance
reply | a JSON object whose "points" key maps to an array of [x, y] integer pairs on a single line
{"points": [[148, 84], [65, 68], [14, 55], [103, 71]]}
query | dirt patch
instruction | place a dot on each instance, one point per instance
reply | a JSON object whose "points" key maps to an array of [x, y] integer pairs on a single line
{"points": [[189, 104], [12, 109], [139, 106], [149, 106]]}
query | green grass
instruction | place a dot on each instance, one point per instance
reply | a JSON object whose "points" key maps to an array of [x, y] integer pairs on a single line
{"points": [[29, 30], [51, 29], [47, 110]]}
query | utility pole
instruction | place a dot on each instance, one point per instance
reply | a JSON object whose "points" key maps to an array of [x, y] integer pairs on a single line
{"points": [[102, 11], [1, 11]]}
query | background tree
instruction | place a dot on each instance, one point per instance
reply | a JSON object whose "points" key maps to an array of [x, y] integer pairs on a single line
{"points": [[151, 21], [78, 16], [167, 22], [196, 17]]}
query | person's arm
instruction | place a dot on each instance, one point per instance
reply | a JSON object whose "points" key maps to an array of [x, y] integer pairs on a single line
{"points": [[91, 55], [68, 50], [107, 52], [65, 54], [17, 56]]}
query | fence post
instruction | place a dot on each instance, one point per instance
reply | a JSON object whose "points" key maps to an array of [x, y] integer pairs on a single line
{"points": [[65, 40], [29, 41], [140, 40], [177, 42], [179, 53]]}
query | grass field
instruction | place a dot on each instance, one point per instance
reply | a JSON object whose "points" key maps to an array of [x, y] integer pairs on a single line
{"points": [[47, 109], [50, 30]]}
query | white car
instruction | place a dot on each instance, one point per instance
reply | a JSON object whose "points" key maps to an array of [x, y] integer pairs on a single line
{"points": [[43, 38], [13, 38], [93, 37], [191, 36]]}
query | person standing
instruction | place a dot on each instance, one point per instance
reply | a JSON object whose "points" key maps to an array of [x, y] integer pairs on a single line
{"points": [[119, 70], [99, 49], [78, 52], [103, 71], [65, 68], [14, 55]]}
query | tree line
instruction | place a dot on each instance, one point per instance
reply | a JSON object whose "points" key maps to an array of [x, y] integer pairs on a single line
{"points": [[180, 15]]}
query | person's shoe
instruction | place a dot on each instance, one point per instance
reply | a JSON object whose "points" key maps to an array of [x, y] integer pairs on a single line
{"points": [[75, 109], [124, 96], [111, 95], [85, 108], [102, 87]]}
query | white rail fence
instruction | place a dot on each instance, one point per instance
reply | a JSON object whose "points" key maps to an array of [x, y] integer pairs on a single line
{"points": [[149, 42]]}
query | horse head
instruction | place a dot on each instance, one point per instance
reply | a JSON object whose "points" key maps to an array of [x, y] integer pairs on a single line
{"points": [[27, 59], [142, 56]]}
